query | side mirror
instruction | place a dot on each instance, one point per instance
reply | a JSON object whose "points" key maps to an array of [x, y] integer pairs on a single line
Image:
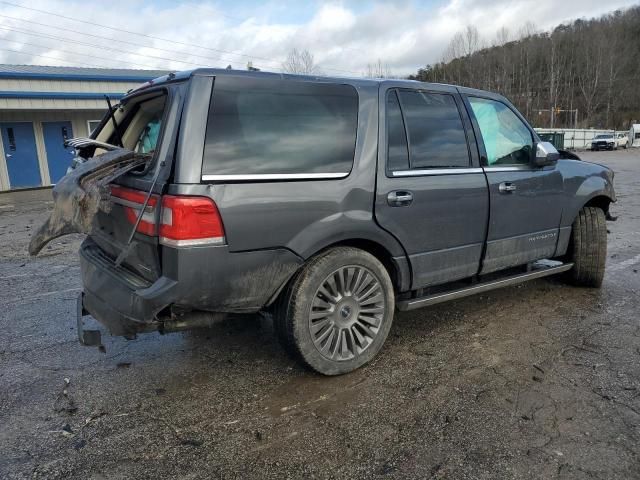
{"points": [[545, 154]]}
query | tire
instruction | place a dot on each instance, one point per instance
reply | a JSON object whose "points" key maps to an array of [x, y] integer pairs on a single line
{"points": [[336, 287], [588, 248]]}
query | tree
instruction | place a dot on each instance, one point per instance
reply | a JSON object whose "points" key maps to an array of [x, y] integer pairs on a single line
{"points": [[378, 70], [580, 74], [300, 62]]}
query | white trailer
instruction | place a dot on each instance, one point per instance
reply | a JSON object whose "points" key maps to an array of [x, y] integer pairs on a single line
{"points": [[633, 139]]}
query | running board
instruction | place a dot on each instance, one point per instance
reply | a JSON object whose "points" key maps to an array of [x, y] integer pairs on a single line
{"points": [[538, 271]]}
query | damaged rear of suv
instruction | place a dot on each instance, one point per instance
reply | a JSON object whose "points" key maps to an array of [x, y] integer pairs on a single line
{"points": [[158, 248], [327, 202]]}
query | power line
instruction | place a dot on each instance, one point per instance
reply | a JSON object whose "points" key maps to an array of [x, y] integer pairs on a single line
{"points": [[53, 37], [75, 53], [152, 36], [95, 24], [49, 58], [85, 34]]}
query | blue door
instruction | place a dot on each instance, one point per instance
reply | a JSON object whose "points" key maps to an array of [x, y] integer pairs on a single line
{"points": [[58, 156], [20, 154]]}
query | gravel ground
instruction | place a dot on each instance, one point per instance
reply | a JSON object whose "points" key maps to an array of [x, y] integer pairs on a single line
{"points": [[536, 381]]}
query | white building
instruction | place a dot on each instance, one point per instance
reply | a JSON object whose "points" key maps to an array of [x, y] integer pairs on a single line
{"points": [[40, 107]]}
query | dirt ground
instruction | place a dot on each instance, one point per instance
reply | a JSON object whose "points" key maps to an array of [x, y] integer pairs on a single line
{"points": [[536, 381]]}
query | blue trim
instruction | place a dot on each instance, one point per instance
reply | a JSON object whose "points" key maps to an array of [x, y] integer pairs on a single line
{"points": [[81, 76], [60, 95]]}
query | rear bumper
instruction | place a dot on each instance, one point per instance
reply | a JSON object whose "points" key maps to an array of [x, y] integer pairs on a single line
{"points": [[211, 279], [125, 303]]}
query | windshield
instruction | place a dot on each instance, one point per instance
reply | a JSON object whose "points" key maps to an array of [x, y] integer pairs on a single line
{"points": [[604, 136]]}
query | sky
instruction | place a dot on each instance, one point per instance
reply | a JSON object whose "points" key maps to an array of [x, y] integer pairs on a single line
{"points": [[343, 36]]}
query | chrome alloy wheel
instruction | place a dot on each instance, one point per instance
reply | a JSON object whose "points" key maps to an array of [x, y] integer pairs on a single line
{"points": [[346, 313]]}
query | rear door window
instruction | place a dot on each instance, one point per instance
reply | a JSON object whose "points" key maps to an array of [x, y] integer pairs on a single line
{"points": [[280, 128], [436, 135]]}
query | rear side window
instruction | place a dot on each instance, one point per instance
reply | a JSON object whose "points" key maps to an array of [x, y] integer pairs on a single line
{"points": [[436, 134], [280, 127]]}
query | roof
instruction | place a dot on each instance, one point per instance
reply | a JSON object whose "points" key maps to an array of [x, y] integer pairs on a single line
{"points": [[45, 72], [206, 71]]}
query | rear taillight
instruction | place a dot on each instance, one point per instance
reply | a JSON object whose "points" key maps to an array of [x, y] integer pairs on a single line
{"points": [[131, 202], [188, 221], [184, 220]]}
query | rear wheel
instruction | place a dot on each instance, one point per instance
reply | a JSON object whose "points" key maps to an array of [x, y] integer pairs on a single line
{"points": [[336, 314], [588, 247]]}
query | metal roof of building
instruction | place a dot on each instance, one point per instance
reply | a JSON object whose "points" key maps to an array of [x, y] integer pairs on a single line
{"points": [[78, 73]]}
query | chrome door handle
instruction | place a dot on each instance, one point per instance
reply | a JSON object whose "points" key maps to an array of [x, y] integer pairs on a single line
{"points": [[506, 187], [399, 198]]}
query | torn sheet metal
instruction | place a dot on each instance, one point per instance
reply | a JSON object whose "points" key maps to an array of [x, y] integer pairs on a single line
{"points": [[81, 193]]}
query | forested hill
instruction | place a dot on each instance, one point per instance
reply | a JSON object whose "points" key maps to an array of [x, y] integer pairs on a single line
{"points": [[589, 65]]}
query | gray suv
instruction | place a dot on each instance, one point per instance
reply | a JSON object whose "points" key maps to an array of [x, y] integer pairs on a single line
{"points": [[327, 202]]}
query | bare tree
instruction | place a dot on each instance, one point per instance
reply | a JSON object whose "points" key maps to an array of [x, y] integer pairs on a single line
{"points": [[300, 61], [590, 72], [471, 40], [503, 35], [378, 70]]}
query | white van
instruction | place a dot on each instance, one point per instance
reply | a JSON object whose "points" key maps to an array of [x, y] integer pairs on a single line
{"points": [[633, 139]]}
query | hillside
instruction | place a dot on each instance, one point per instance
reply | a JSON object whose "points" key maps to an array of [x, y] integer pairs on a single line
{"points": [[592, 66]]}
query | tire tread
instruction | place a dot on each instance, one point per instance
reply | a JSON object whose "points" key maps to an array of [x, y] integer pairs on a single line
{"points": [[588, 247]]}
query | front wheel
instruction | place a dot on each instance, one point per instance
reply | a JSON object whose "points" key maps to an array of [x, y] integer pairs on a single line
{"points": [[336, 314], [588, 247]]}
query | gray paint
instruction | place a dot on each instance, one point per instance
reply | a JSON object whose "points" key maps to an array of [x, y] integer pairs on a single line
{"points": [[458, 224], [523, 224]]}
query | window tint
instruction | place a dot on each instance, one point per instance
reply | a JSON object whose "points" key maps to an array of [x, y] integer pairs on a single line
{"points": [[507, 140], [436, 134], [397, 152], [259, 126]]}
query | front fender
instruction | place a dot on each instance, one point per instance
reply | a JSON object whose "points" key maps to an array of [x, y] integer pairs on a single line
{"points": [[583, 182]]}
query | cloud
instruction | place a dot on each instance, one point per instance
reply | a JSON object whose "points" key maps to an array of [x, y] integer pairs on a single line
{"points": [[343, 36]]}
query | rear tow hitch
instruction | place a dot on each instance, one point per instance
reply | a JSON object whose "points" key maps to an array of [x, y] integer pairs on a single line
{"points": [[86, 337]]}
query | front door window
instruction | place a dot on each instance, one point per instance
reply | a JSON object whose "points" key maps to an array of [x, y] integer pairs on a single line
{"points": [[506, 138]]}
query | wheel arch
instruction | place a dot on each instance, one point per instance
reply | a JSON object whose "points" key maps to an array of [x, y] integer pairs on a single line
{"points": [[601, 201], [398, 267]]}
